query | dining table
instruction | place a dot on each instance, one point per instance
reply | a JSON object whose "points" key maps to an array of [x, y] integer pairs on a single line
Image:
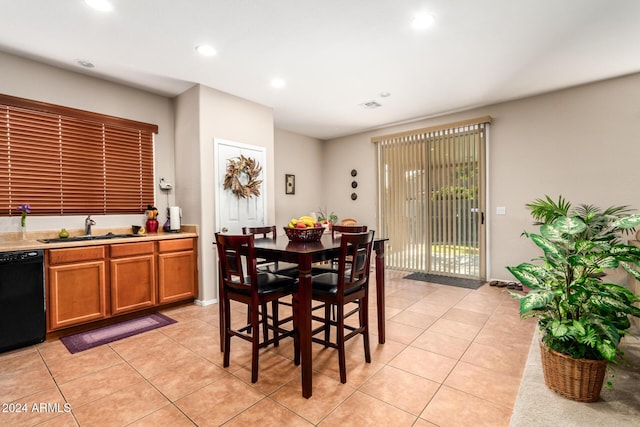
{"points": [[305, 254]]}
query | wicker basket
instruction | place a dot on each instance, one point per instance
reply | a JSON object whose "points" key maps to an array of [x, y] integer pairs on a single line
{"points": [[304, 234], [576, 379]]}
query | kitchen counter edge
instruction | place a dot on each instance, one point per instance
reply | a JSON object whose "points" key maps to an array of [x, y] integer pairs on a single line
{"points": [[34, 243]]}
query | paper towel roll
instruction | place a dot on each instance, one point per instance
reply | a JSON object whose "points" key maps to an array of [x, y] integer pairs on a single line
{"points": [[175, 213]]}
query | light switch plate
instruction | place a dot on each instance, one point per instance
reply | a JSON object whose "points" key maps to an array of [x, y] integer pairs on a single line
{"points": [[501, 210]]}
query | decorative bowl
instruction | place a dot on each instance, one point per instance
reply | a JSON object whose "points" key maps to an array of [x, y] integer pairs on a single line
{"points": [[304, 234]]}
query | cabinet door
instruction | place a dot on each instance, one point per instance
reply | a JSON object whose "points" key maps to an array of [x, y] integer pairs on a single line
{"points": [[77, 293], [177, 277], [132, 283]]}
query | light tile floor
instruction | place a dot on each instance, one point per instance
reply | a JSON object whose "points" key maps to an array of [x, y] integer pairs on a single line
{"points": [[453, 357]]}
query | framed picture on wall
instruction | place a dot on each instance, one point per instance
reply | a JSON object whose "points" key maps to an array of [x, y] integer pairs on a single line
{"points": [[290, 184]]}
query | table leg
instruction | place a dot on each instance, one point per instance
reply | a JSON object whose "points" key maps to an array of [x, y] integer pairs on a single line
{"points": [[380, 291], [304, 323], [220, 309]]}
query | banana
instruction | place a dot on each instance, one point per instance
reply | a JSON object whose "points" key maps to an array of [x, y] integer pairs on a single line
{"points": [[308, 221]]}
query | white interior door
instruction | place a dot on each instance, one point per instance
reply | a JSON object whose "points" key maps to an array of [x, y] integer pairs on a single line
{"points": [[233, 213]]}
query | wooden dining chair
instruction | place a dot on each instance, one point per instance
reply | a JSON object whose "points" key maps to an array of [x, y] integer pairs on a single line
{"points": [[349, 221], [255, 289], [349, 285], [332, 264], [279, 267], [339, 229]]}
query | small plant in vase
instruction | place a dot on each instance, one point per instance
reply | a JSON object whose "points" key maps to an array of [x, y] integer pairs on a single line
{"points": [[326, 219], [24, 209]]}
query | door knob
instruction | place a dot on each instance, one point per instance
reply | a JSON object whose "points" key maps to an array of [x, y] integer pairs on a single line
{"points": [[225, 229]]}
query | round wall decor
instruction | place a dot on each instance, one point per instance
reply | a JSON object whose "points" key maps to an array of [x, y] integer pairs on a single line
{"points": [[245, 168], [354, 184], [354, 196], [354, 172]]}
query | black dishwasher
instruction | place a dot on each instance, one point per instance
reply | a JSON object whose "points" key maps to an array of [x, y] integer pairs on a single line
{"points": [[22, 301]]}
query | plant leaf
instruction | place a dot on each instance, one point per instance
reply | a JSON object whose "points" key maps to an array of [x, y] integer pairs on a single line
{"points": [[626, 222], [528, 274], [558, 329], [635, 273], [570, 225], [548, 231], [535, 299], [583, 246], [551, 250], [578, 327], [607, 350]]}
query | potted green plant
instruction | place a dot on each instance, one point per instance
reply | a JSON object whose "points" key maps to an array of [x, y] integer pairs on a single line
{"points": [[327, 218], [581, 316]]}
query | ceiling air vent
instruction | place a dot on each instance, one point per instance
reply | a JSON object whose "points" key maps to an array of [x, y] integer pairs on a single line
{"points": [[371, 105]]}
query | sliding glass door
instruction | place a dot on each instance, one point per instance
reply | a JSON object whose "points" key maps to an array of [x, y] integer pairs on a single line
{"points": [[432, 199]]}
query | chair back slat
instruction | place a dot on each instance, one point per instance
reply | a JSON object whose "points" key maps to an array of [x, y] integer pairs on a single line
{"points": [[265, 231], [355, 258], [347, 229], [233, 262]]}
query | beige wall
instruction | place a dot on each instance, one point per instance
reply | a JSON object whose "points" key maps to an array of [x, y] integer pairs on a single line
{"points": [[32, 80], [202, 115], [581, 143], [301, 156]]}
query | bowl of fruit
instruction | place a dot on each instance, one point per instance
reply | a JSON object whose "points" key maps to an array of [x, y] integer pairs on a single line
{"points": [[304, 229]]}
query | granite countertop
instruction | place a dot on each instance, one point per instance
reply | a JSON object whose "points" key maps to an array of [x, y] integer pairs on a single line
{"points": [[15, 242]]}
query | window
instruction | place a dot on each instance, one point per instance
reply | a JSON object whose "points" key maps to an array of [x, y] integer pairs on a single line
{"points": [[65, 161]]}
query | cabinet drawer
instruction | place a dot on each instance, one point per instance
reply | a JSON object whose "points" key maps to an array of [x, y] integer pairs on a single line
{"points": [[85, 253], [175, 245], [130, 249]]}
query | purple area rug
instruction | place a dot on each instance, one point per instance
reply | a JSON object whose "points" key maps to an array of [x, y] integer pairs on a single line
{"points": [[95, 337]]}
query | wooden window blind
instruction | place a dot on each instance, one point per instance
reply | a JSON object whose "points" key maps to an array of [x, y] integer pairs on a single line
{"points": [[64, 161]]}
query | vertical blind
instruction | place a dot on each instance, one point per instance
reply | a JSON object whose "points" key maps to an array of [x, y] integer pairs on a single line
{"points": [[431, 198], [403, 184], [66, 161], [456, 200]]}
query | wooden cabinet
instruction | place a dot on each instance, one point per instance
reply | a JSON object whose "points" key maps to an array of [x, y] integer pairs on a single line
{"points": [[89, 283], [133, 277], [77, 286], [177, 272]]}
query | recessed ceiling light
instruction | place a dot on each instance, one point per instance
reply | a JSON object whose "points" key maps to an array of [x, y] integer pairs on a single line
{"points": [[385, 94], [84, 63], [101, 5], [370, 105], [422, 21], [278, 83], [206, 50]]}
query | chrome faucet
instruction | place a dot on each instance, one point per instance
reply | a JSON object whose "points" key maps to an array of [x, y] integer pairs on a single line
{"points": [[88, 222]]}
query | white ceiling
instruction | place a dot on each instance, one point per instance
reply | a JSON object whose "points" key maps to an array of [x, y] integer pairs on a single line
{"points": [[337, 54]]}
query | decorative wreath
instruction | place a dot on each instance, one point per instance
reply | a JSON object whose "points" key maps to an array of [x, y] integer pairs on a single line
{"points": [[237, 169]]}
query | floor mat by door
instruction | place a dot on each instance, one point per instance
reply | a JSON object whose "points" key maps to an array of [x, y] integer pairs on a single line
{"points": [[446, 280]]}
